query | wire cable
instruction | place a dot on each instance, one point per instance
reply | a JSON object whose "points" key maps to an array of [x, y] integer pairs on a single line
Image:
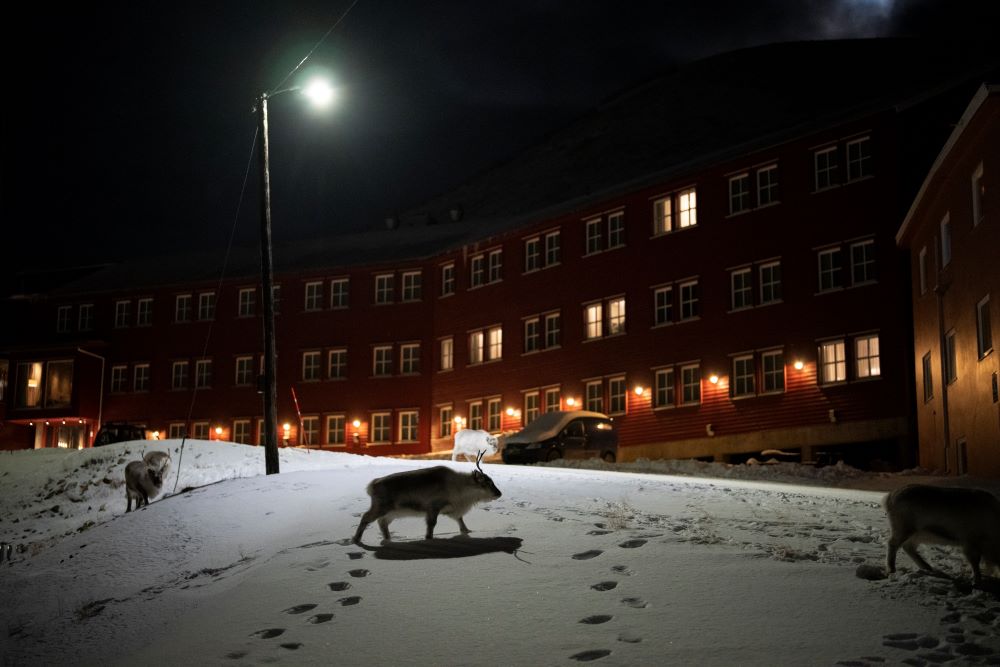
{"points": [[316, 46]]}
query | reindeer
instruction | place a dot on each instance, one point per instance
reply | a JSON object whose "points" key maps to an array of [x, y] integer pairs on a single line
{"points": [[142, 482], [426, 492], [922, 514]]}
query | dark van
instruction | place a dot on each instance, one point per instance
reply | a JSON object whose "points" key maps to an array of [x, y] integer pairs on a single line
{"points": [[577, 434], [113, 432]]}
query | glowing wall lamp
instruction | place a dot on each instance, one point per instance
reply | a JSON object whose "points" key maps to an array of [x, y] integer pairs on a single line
{"points": [[156, 435], [570, 401], [798, 365], [713, 378], [639, 390]]}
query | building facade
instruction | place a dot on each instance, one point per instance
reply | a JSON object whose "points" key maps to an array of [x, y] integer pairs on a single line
{"points": [[952, 233], [716, 298]]}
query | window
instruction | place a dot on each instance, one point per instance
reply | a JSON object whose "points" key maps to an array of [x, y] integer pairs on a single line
{"points": [[62, 318], [383, 288], [314, 296], [476, 415], [689, 300], [594, 397], [310, 431], [247, 302], [743, 377], [203, 374], [832, 362], [984, 334], [244, 371], [495, 266], [945, 241], [476, 345], [663, 305], [553, 330], [310, 366], [595, 236], [336, 430], [770, 283], [859, 159], [825, 168], [923, 270], [199, 430], [531, 335], [182, 308], [445, 424], [493, 415], [340, 292], [863, 262], [829, 269], [122, 314], [29, 384], [616, 230], [866, 356], [477, 271], [663, 388], [594, 320], [336, 364], [144, 313], [447, 280], [767, 185], [616, 316], [739, 193], [773, 371], [742, 289], [206, 306], [494, 337], [176, 430], [662, 216], [58, 383], [119, 379], [690, 384], [553, 252], [928, 377], [86, 318], [241, 431], [409, 359], [179, 375], [950, 366], [687, 210], [381, 428], [531, 407], [408, 423], [616, 395], [412, 286], [382, 361], [532, 255], [552, 402], [140, 377], [978, 195], [447, 362]]}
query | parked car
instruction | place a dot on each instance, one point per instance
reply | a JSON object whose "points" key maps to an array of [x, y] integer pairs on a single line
{"points": [[578, 434], [113, 432]]}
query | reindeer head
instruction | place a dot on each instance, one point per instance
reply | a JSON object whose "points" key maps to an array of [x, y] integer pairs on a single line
{"points": [[483, 480]]}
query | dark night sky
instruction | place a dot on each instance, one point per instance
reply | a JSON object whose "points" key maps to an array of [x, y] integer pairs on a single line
{"points": [[128, 126]]}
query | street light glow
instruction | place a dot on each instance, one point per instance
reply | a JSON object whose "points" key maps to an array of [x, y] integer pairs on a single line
{"points": [[319, 92]]}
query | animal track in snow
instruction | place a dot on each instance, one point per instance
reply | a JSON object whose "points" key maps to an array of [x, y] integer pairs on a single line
{"points": [[587, 656], [623, 569], [587, 555], [632, 544], [348, 601], [319, 618], [339, 586], [355, 555], [605, 585], [292, 646], [269, 633], [359, 573], [299, 609], [635, 603], [596, 619]]}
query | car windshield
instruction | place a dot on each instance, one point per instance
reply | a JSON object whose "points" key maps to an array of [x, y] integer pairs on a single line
{"points": [[549, 425]]}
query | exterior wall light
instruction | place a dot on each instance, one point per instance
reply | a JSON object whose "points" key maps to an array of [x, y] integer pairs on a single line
{"points": [[713, 378], [356, 423], [798, 365], [639, 390], [218, 430], [156, 435], [570, 401]]}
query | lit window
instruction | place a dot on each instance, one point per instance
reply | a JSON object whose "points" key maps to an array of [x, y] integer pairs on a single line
{"points": [[825, 167], [767, 185], [412, 290], [29, 384], [859, 159], [340, 292], [741, 288], [832, 362], [739, 193], [58, 383], [687, 208], [409, 359], [662, 216], [773, 371], [476, 347], [447, 354], [382, 361], [616, 316], [495, 340], [594, 320]]}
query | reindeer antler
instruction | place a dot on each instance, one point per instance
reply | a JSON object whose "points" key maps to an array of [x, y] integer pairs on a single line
{"points": [[482, 452]]}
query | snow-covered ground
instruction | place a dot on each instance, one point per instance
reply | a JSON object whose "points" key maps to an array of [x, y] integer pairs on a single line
{"points": [[610, 564]]}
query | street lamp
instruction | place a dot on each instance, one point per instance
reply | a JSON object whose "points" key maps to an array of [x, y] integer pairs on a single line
{"points": [[321, 94]]}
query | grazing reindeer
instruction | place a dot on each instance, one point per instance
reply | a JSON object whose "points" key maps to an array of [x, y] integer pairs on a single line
{"points": [[470, 442], [142, 482], [426, 492], [921, 514]]}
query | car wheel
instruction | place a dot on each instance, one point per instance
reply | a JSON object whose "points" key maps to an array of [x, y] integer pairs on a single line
{"points": [[553, 455], [609, 457]]}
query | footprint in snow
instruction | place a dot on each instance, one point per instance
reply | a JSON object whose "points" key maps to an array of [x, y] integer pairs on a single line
{"points": [[635, 603], [587, 555], [596, 619], [605, 585], [622, 569], [292, 646], [348, 601], [319, 618], [299, 609], [355, 555], [269, 633], [587, 656], [359, 573], [339, 586], [632, 544]]}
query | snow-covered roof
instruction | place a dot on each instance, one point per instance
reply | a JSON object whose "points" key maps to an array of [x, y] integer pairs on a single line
{"points": [[548, 425]]}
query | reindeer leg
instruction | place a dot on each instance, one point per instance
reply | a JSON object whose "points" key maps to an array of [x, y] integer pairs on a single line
{"points": [[383, 524], [917, 558], [890, 555], [973, 556], [462, 527], [366, 519], [128, 497], [432, 518]]}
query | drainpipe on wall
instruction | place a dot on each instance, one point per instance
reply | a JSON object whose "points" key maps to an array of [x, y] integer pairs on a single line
{"points": [[100, 390]]}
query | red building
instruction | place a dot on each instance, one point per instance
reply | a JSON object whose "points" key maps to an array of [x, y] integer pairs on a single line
{"points": [[708, 258], [952, 232]]}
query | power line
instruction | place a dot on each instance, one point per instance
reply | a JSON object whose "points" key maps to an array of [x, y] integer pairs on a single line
{"points": [[313, 49]]}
